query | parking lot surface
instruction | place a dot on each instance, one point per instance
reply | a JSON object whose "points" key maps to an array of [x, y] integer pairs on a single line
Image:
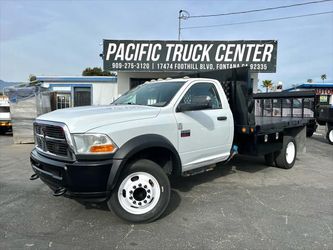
{"points": [[244, 205]]}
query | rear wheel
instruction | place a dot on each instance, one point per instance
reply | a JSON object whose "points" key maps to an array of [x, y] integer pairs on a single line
{"points": [[142, 193], [286, 157], [329, 135]]}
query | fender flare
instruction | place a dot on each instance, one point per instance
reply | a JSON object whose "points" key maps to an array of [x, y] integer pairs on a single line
{"points": [[134, 146]]}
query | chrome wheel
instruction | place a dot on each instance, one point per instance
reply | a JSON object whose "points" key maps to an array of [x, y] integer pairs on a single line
{"points": [[290, 152], [139, 193]]}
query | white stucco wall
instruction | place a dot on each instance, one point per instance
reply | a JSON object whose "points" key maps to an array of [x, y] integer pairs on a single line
{"points": [[104, 93]]}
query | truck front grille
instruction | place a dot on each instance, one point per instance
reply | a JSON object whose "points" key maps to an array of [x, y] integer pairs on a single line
{"points": [[57, 148], [51, 140]]}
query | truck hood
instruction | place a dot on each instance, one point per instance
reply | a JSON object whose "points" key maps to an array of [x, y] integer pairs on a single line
{"points": [[83, 119]]}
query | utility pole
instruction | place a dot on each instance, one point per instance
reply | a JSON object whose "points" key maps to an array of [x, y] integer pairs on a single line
{"points": [[182, 14]]}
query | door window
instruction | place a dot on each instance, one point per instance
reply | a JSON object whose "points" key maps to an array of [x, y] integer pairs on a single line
{"points": [[63, 101], [202, 92]]}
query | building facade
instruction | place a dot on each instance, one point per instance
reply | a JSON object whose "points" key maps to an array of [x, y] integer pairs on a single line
{"points": [[75, 91]]}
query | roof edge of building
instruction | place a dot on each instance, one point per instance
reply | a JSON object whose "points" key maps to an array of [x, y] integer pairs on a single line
{"points": [[76, 78]]}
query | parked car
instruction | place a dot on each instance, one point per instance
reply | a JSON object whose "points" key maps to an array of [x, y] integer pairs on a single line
{"points": [[5, 119]]}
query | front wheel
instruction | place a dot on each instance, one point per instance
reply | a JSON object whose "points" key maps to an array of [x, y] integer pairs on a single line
{"points": [[329, 135], [142, 193]]}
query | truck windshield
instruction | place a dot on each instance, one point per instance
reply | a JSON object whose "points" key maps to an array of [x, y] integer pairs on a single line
{"points": [[157, 94]]}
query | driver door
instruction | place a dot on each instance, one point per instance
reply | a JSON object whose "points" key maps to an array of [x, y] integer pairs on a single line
{"points": [[204, 135]]}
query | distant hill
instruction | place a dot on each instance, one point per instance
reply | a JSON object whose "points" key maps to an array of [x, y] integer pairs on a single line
{"points": [[4, 84]]}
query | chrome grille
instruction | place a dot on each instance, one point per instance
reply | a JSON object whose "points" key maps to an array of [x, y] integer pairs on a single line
{"points": [[57, 148], [51, 140], [55, 132]]}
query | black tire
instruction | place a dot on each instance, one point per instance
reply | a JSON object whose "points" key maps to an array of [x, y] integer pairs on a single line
{"points": [[329, 135], [281, 156], [157, 172], [309, 133], [270, 159]]}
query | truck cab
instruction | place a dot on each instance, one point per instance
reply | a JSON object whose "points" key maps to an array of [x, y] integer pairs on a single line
{"points": [[324, 114]]}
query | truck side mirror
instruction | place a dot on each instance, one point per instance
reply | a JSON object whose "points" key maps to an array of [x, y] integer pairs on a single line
{"points": [[183, 107]]}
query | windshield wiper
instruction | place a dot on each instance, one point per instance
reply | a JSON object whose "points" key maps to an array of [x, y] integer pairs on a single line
{"points": [[126, 103]]}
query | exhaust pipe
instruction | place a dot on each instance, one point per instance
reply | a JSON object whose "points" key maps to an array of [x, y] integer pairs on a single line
{"points": [[34, 177], [60, 191]]}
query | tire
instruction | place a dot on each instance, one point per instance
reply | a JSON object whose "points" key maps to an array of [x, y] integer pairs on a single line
{"points": [[311, 128], [286, 157], [269, 159], [309, 133], [329, 136], [142, 193]]}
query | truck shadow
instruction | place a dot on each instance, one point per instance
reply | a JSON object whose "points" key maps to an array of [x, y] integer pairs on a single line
{"points": [[7, 134], [185, 184], [319, 138], [173, 204], [239, 164]]}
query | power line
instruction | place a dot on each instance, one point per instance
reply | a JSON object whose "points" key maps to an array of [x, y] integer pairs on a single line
{"points": [[257, 21], [258, 10]]}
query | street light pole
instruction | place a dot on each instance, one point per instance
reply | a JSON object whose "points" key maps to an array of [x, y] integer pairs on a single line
{"points": [[182, 14], [179, 23]]}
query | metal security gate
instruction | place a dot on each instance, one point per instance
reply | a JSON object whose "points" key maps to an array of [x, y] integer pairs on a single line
{"points": [[82, 96]]}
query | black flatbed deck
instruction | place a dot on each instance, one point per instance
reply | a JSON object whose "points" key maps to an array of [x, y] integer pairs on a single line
{"points": [[266, 125]]}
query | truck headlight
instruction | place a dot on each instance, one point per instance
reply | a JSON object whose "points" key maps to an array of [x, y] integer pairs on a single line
{"points": [[93, 144]]}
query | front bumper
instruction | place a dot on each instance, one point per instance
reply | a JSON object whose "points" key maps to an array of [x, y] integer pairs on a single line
{"points": [[83, 180]]}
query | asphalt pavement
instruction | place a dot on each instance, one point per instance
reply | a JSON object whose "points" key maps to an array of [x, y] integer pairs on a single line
{"points": [[244, 205]]}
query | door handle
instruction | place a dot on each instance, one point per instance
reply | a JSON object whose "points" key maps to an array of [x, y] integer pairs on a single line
{"points": [[221, 118]]}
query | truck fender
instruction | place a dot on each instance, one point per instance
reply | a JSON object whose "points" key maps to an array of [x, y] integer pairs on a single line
{"points": [[134, 146]]}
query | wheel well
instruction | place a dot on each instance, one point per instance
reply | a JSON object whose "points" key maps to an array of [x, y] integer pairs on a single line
{"points": [[161, 156]]}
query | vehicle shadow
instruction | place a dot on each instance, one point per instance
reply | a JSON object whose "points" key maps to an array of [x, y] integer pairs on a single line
{"points": [[8, 134], [185, 184], [173, 204], [94, 205], [239, 164], [319, 138]]}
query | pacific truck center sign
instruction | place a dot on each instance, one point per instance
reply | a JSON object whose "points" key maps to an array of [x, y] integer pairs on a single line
{"points": [[138, 55]]}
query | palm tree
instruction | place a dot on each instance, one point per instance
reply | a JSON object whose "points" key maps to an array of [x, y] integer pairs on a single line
{"points": [[309, 80], [267, 84], [323, 77]]}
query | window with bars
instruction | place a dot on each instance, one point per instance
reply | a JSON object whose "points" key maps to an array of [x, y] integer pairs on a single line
{"points": [[63, 101]]}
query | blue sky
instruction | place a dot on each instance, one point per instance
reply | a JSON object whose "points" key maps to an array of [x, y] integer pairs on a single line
{"points": [[64, 37]]}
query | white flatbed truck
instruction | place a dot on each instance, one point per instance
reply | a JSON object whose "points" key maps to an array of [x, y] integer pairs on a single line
{"points": [[125, 153]]}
